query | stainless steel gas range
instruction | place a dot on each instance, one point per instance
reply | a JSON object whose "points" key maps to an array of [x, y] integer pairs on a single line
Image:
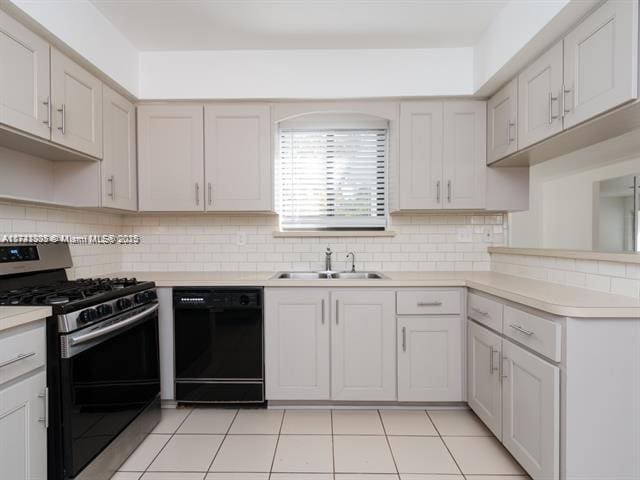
{"points": [[103, 375]]}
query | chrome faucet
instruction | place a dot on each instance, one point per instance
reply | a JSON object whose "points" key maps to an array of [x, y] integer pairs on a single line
{"points": [[327, 259], [353, 261]]}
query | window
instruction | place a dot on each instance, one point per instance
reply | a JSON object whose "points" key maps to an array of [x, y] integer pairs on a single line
{"points": [[332, 178]]}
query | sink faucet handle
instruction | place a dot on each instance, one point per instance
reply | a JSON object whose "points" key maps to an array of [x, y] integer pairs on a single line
{"points": [[353, 260]]}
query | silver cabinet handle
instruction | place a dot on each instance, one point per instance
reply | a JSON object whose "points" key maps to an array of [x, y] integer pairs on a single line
{"points": [[520, 329], [552, 99], [337, 311], [209, 193], [63, 124], [509, 125], [479, 312], [322, 312], [430, 304], [404, 339], [47, 103], [491, 360], [45, 397], [449, 191], [502, 374], [438, 191], [22, 356], [112, 189], [492, 366], [197, 193], [565, 110]]}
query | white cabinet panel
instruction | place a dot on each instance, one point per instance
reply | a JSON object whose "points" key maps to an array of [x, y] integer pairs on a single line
{"points": [[77, 102], [118, 167], [23, 436], [297, 344], [238, 157], [421, 155], [429, 359], [484, 389], [601, 61], [24, 78], [464, 157], [363, 345], [531, 410], [502, 128], [539, 98], [171, 157]]}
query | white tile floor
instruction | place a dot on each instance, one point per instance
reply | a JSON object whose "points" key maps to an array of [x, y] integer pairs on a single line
{"points": [[218, 444]]}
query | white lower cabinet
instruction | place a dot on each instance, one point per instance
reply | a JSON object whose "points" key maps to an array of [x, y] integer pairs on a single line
{"points": [[484, 393], [429, 359], [363, 345], [23, 434], [531, 411], [297, 344]]}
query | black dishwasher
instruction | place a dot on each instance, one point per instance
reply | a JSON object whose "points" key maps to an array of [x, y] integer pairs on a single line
{"points": [[218, 335]]}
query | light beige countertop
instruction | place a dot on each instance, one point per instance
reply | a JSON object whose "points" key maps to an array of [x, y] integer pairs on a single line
{"points": [[14, 316], [549, 297]]}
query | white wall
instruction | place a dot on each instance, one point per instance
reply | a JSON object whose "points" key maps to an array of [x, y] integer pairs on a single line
{"points": [[306, 73], [83, 28], [611, 227]]}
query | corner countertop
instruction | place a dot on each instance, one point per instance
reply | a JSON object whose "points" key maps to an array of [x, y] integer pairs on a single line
{"points": [[15, 316], [549, 297]]}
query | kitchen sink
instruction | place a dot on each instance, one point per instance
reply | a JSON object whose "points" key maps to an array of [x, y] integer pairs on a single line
{"points": [[329, 276]]}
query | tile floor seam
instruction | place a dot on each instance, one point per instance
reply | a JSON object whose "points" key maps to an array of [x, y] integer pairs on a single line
{"points": [[224, 437], [386, 437], [333, 448], [445, 444], [275, 451]]}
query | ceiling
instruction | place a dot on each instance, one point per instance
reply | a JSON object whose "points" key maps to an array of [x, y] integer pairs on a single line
{"points": [[153, 25]]}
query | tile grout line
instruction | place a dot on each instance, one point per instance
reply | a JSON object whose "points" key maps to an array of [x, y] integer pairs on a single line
{"points": [[386, 437], [333, 447], [445, 445], [275, 451], [220, 446]]}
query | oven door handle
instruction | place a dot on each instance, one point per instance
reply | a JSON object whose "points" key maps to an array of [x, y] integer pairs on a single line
{"points": [[112, 328]]}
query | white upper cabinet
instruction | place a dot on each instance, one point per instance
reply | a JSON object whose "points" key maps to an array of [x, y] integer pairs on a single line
{"points": [[539, 98], [421, 137], [24, 79], [171, 157], [297, 344], [118, 167], [77, 106], [484, 388], [238, 157], [601, 61], [531, 412], [363, 349], [430, 359], [502, 128], [464, 158]]}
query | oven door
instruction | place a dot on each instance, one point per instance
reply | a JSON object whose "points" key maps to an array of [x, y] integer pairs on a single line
{"points": [[109, 374]]}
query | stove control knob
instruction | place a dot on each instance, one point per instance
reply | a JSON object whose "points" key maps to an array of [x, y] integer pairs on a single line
{"points": [[104, 310], [123, 303], [88, 315]]}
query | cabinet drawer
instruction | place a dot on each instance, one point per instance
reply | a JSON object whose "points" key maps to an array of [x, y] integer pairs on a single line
{"points": [[537, 333], [427, 302], [486, 311], [21, 353]]}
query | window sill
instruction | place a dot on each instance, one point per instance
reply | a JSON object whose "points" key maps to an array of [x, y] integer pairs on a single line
{"points": [[334, 233]]}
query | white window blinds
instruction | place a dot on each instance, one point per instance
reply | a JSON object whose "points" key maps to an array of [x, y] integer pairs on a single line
{"points": [[332, 178]]}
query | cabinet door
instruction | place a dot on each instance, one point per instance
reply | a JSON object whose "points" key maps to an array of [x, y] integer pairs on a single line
{"points": [[23, 434], [297, 344], [170, 158], [601, 61], [118, 167], [77, 102], [502, 128], [421, 155], [539, 94], [484, 389], [464, 159], [531, 409], [24, 78], [429, 359], [363, 353], [238, 157]]}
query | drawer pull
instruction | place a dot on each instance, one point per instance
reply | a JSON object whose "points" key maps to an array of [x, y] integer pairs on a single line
{"points": [[22, 356], [429, 304], [479, 312], [520, 329]]}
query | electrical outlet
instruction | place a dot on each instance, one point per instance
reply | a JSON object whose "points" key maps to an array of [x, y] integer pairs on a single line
{"points": [[241, 239], [487, 234]]}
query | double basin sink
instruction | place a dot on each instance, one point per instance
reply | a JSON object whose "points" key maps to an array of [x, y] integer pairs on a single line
{"points": [[329, 276]]}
